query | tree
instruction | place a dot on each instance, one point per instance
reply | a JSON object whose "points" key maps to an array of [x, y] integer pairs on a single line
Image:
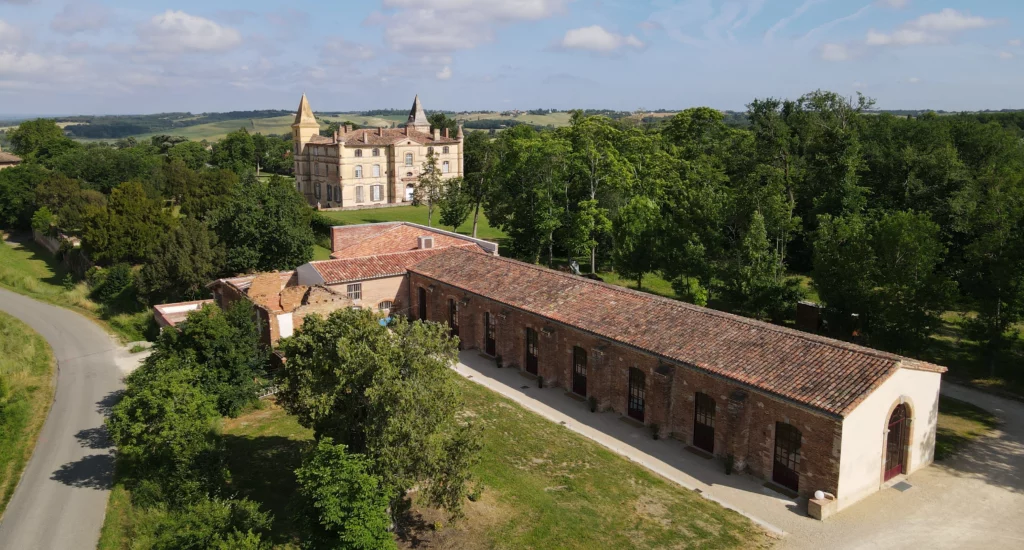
{"points": [[103, 168], [163, 429], [455, 203], [480, 156], [208, 523], [39, 139], [388, 394], [911, 292], [208, 192], [757, 284], [441, 121], [187, 258], [345, 506], [64, 197], [192, 153], [844, 270], [431, 186], [17, 197], [236, 152], [226, 347], [636, 232], [128, 229], [272, 154], [265, 227]]}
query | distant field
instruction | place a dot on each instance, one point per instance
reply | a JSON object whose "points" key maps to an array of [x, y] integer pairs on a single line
{"points": [[215, 131]]}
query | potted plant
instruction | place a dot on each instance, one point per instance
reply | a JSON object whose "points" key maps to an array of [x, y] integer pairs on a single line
{"points": [[497, 359], [540, 381], [654, 430], [730, 461], [593, 403]]}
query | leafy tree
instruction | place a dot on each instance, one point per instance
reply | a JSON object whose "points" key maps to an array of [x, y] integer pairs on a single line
{"points": [[67, 200], [43, 220], [236, 152], [163, 429], [187, 258], [210, 191], [128, 229], [116, 285], [103, 168], [636, 232], [455, 203], [192, 153], [208, 523], [345, 506], [39, 139], [226, 347], [480, 156], [911, 292], [273, 154], [844, 270], [441, 121], [17, 197], [757, 282], [431, 187], [265, 227], [388, 394]]}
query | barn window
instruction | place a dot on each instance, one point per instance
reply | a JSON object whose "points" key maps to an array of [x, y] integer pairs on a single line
{"points": [[385, 306], [354, 291]]}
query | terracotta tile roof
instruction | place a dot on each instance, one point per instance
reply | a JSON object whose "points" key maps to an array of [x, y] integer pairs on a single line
{"points": [[7, 158], [821, 373], [373, 267], [368, 240], [318, 139]]}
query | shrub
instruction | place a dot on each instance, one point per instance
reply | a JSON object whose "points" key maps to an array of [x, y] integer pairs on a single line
{"points": [[207, 523], [117, 282]]}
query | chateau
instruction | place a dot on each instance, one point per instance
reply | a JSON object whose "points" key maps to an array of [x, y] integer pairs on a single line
{"points": [[371, 166]]}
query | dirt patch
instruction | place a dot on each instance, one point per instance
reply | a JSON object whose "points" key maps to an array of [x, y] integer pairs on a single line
{"points": [[429, 528]]}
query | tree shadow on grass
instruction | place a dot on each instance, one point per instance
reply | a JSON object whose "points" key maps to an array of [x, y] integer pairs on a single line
{"points": [[89, 472], [263, 470]]}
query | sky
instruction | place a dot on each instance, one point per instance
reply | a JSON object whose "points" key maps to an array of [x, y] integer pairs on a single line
{"points": [[64, 57]]}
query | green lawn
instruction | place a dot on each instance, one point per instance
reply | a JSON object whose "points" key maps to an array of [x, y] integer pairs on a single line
{"points": [[960, 423], [544, 487], [26, 392], [414, 214], [29, 269]]}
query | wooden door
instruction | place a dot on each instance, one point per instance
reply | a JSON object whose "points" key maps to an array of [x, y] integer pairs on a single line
{"points": [[896, 443], [423, 303], [453, 317], [704, 423], [637, 394], [787, 456], [531, 351], [579, 371], [490, 346]]}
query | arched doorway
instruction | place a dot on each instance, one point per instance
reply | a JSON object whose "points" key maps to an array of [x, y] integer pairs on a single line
{"points": [[410, 192], [896, 438]]}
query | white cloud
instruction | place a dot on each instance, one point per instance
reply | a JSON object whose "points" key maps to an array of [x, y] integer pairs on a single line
{"points": [[1005, 55], [177, 31], [341, 52], [835, 52], [596, 39], [9, 34], [79, 17], [445, 73], [782, 23], [1016, 42], [894, 4], [450, 25], [913, 80], [929, 28]]}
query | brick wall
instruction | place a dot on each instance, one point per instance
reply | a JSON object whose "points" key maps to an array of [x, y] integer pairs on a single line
{"points": [[745, 419]]}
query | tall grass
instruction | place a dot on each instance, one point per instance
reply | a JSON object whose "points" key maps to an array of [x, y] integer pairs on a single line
{"points": [[26, 391]]}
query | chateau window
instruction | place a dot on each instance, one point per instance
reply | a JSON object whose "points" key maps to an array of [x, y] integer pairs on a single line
{"points": [[376, 191], [385, 306], [330, 193], [430, 150], [359, 171], [376, 170], [408, 159], [359, 193], [359, 152], [376, 152], [354, 291], [445, 150], [444, 167]]}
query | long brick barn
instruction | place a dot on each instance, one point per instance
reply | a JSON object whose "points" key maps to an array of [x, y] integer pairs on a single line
{"points": [[803, 412]]}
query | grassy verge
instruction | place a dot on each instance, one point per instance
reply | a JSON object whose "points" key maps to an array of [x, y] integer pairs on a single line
{"points": [[960, 423], [414, 214], [544, 487], [26, 377], [29, 269]]}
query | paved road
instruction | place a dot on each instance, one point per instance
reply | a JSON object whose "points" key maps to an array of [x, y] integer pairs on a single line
{"points": [[62, 497]]}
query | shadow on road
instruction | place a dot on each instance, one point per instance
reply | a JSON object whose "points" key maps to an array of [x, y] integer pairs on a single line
{"points": [[103, 406], [94, 438], [89, 472]]}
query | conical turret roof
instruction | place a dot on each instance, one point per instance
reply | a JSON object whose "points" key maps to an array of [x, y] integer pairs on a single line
{"points": [[418, 117], [305, 113]]}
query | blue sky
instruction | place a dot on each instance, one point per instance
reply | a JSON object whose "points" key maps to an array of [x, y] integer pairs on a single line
{"points": [[120, 56]]}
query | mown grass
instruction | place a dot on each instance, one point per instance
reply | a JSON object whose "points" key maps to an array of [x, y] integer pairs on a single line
{"points": [[959, 424], [414, 214], [26, 374], [29, 269], [544, 487]]}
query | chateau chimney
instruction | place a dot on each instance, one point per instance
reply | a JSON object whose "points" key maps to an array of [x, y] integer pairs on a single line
{"points": [[380, 130], [335, 136], [446, 133], [437, 134], [348, 128], [405, 130], [365, 136]]}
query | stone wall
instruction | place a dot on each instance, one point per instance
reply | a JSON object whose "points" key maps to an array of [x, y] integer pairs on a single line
{"points": [[745, 418]]}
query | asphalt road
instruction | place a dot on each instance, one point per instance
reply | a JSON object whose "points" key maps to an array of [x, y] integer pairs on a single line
{"points": [[62, 498]]}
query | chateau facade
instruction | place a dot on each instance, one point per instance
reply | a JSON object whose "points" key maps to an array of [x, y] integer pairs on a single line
{"points": [[371, 166]]}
